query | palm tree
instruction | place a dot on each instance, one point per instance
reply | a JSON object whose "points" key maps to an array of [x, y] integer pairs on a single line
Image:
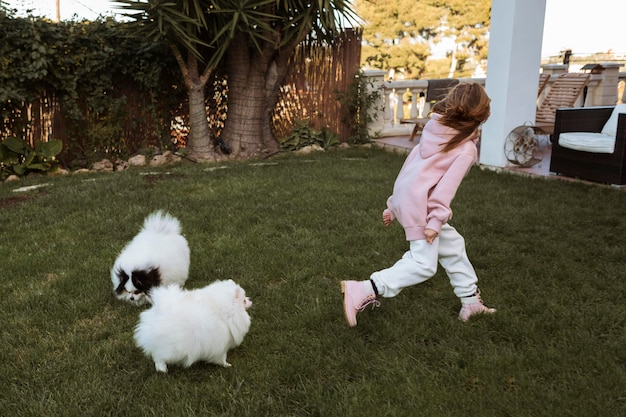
{"points": [[252, 41]]}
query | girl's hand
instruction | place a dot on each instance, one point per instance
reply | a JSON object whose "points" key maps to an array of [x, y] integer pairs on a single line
{"points": [[387, 218], [431, 235]]}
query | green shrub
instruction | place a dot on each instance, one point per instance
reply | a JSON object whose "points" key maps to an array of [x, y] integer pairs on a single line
{"points": [[19, 158], [102, 90], [303, 134], [359, 101]]}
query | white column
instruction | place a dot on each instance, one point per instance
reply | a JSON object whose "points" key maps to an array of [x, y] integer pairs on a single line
{"points": [[375, 81], [512, 72]]}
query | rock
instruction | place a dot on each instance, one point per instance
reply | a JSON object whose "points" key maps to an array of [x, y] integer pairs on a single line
{"points": [[104, 165], [158, 160], [12, 178], [308, 149], [82, 171], [138, 161], [30, 188], [121, 165], [59, 171], [171, 157]]}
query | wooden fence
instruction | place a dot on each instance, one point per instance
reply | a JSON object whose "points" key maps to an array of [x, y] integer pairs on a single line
{"points": [[309, 92]]}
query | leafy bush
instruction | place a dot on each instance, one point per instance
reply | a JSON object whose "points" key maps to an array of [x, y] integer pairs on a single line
{"points": [[19, 158], [303, 134], [100, 89], [359, 101]]}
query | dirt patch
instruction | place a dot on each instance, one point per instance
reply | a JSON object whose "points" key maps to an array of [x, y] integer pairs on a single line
{"points": [[14, 201], [24, 194], [153, 177]]}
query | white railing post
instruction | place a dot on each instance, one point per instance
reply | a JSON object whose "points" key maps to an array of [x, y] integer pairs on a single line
{"points": [[390, 106], [415, 105], [394, 90], [399, 106]]}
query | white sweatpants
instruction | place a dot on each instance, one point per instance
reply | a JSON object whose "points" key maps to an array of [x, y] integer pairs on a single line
{"points": [[419, 264]]}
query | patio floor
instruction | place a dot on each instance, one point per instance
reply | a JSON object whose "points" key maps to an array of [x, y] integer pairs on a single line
{"points": [[402, 144]]}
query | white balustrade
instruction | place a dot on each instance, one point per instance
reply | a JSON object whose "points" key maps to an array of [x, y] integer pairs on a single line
{"points": [[392, 108]]}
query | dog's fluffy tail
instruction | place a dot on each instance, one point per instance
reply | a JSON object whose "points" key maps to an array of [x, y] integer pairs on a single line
{"points": [[163, 223]]}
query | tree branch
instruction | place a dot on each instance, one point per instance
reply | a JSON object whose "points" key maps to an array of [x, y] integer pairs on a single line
{"points": [[181, 61]]}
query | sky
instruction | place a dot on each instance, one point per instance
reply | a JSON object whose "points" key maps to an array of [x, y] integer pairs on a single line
{"points": [[87, 9], [585, 26]]}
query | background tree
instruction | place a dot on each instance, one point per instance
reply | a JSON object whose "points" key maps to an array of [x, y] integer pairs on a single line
{"points": [[468, 24], [183, 24], [251, 41], [402, 34]]}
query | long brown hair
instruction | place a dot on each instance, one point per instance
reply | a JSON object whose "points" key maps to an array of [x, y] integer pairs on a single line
{"points": [[464, 108]]}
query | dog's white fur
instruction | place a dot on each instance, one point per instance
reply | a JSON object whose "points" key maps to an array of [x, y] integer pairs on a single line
{"points": [[159, 246], [187, 326]]}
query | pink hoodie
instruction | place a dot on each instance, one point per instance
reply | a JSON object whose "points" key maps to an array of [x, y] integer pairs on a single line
{"points": [[428, 180]]}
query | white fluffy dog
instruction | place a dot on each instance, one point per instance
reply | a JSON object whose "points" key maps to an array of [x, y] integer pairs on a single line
{"points": [[158, 255], [187, 326]]}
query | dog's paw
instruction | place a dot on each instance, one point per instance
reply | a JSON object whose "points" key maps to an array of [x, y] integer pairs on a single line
{"points": [[160, 366]]}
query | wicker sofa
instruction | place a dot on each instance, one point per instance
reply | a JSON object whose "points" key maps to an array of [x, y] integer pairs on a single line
{"points": [[589, 165]]}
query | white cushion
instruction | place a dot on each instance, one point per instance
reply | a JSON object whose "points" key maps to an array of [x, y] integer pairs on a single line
{"points": [[588, 142], [610, 127]]}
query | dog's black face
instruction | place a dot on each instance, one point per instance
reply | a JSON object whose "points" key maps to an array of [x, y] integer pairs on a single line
{"points": [[134, 288]]}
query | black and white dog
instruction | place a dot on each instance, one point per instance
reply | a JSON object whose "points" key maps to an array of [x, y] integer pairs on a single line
{"points": [[158, 255]]}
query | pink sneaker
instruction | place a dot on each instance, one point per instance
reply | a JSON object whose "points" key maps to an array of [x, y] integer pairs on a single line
{"points": [[356, 296], [473, 305]]}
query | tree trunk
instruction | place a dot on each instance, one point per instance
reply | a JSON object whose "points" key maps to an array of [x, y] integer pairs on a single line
{"points": [[253, 81], [199, 139]]}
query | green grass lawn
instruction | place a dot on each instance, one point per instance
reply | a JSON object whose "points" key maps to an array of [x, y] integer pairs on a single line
{"points": [[550, 255]]}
